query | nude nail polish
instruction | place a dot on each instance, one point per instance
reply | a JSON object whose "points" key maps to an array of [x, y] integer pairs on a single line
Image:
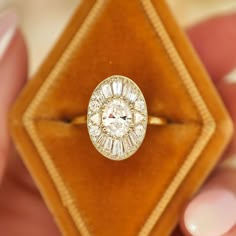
{"points": [[231, 77], [8, 25], [211, 213]]}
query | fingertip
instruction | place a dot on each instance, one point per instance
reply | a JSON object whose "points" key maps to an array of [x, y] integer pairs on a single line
{"points": [[212, 212], [13, 75], [13, 59]]}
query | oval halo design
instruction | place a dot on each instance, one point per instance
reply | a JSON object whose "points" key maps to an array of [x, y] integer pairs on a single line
{"points": [[117, 117]]}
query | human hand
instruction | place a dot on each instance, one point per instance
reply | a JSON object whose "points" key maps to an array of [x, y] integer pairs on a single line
{"points": [[213, 211], [22, 211]]}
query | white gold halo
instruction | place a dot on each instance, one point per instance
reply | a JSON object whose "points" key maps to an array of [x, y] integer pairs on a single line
{"points": [[117, 117]]}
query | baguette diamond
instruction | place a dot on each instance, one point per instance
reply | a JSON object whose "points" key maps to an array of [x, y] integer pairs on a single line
{"points": [[117, 117]]}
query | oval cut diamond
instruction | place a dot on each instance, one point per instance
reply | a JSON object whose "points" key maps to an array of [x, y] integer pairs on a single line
{"points": [[116, 118], [117, 126]]}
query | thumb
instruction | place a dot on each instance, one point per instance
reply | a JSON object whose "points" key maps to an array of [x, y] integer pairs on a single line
{"points": [[13, 71]]}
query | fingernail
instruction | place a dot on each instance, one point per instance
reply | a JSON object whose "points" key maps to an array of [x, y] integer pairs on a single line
{"points": [[211, 213], [231, 77], [8, 25]]}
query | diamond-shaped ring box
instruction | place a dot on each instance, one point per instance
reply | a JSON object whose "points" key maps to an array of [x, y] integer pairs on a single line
{"points": [[88, 194]]}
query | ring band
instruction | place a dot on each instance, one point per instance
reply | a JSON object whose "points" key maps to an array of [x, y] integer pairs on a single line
{"points": [[117, 118], [152, 120]]}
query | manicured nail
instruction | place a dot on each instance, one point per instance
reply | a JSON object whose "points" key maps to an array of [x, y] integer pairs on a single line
{"points": [[8, 25], [231, 77], [211, 213]]}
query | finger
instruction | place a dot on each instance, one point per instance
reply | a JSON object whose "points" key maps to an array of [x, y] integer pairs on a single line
{"points": [[21, 206], [227, 88], [18, 215], [13, 71], [232, 232], [215, 43], [213, 211]]}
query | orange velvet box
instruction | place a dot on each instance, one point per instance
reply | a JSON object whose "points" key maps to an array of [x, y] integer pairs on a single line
{"points": [[90, 195]]}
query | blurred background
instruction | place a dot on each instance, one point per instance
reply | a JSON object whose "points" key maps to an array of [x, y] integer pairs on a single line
{"points": [[42, 21]]}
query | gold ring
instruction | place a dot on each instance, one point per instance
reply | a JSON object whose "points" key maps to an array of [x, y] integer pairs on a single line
{"points": [[152, 120], [117, 118]]}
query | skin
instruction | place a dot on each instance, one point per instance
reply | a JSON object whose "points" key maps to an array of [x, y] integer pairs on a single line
{"points": [[22, 210]]}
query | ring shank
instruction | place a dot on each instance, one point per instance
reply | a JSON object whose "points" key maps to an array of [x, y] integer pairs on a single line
{"points": [[152, 120]]}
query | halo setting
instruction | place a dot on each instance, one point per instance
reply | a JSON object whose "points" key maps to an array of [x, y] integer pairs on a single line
{"points": [[117, 117]]}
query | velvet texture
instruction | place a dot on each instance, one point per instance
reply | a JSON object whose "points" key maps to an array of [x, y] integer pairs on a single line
{"points": [[87, 193]]}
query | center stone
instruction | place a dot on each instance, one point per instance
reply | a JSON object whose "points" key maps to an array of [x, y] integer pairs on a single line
{"points": [[117, 118]]}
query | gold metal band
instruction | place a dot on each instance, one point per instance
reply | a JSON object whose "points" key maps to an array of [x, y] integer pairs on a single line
{"points": [[80, 120], [152, 120]]}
